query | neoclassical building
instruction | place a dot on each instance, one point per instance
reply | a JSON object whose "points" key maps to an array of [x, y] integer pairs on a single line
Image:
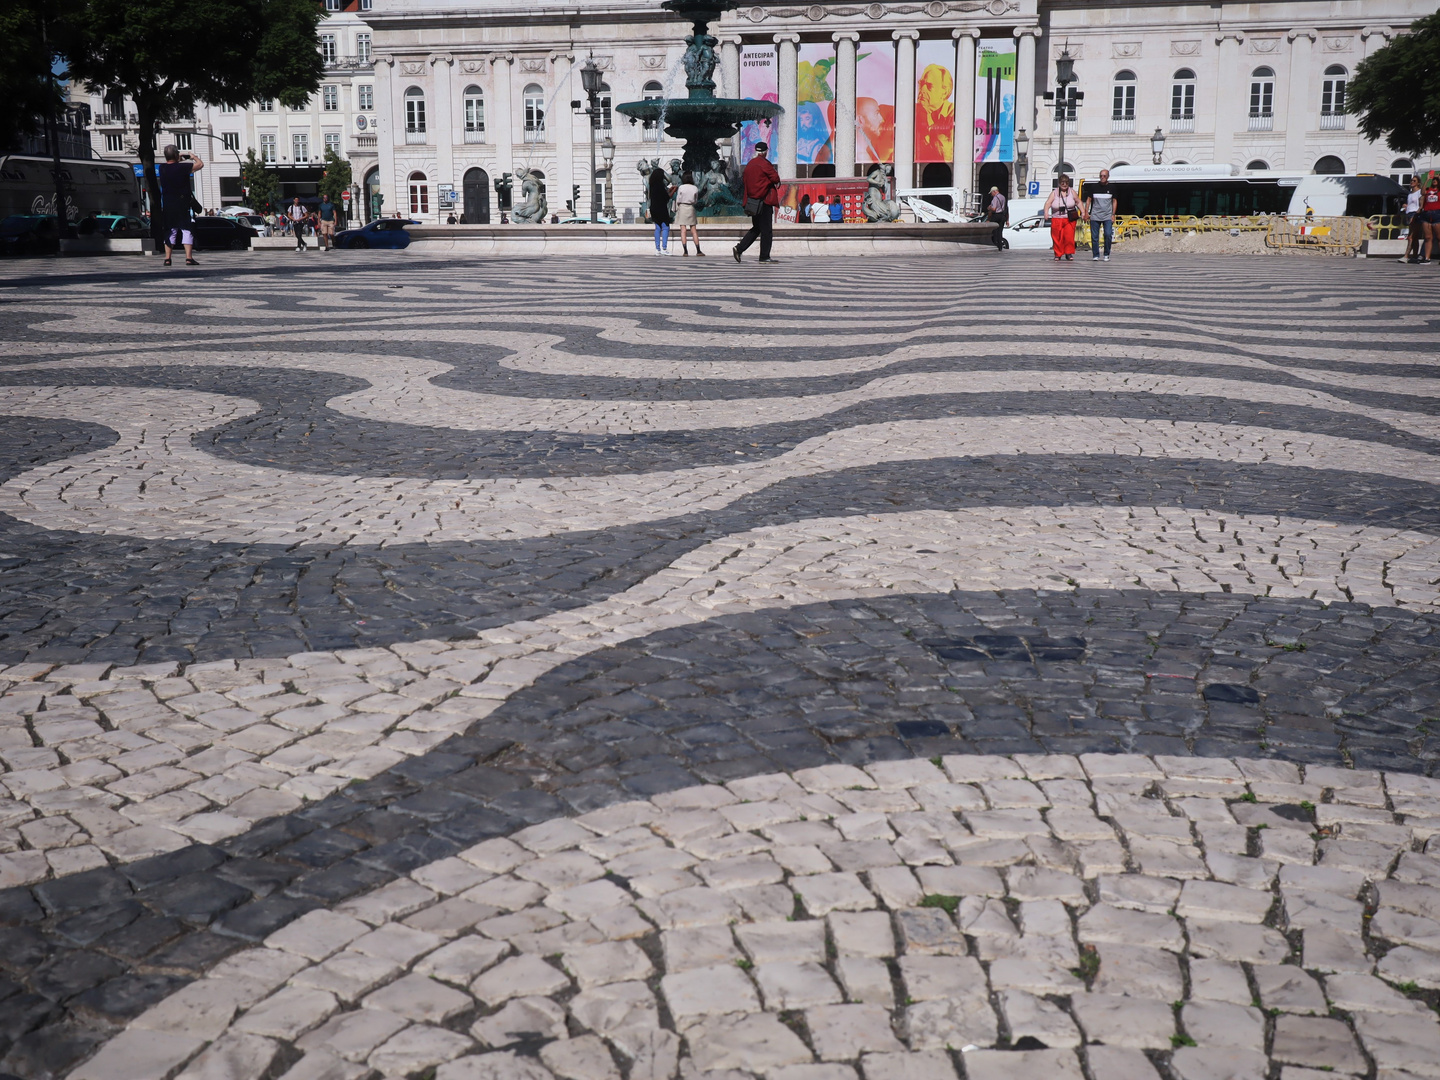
{"points": [[948, 91]]}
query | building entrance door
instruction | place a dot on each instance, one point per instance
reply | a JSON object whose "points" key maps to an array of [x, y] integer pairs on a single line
{"points": [[476, 194], [993, 174]]}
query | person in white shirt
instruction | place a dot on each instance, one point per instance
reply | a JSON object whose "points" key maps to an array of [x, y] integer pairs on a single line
{"points": [[685, 196], [819, 210], [1414, 246]]}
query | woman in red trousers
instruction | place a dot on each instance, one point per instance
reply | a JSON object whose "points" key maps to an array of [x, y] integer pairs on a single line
{"points": [[1064, 210]]}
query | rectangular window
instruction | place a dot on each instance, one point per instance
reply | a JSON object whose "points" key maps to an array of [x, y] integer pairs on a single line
{"points": [[267, 149], [365, 97], [362, 48], [184, 141], [330, 96], [265, 106], [227, 110], [1124, 102], [300, 146], [414, 114], [114, 144], [327, 48], [1262, 98], [230, 140], [365, 5], [1182, 100], [334, 5], [1332, 97], [332, 142]]}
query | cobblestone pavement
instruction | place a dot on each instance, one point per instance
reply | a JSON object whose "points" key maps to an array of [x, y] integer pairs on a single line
{"points": [[418, 665]]}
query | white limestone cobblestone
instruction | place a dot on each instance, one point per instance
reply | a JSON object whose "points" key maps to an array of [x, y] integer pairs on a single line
{"points": [[905, 969]]}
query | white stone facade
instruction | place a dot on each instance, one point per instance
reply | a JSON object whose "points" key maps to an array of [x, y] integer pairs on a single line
{"points": [[434, 51]]}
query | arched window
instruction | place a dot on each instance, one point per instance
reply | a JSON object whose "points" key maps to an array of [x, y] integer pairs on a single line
{"points": [[419, 193], [1066, 168], [1122, 97], [605, 106], [1182, 97], [1401, 169], [1332, 90], [474, 114], [652, 91], [415, 115], [1119, 164], [1262, 92], [1329, 165], [1258, 166], [534, 113]]}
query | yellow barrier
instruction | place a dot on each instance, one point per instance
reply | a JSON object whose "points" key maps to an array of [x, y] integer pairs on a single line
{"points": [[1317, 235], [1139, 226]]}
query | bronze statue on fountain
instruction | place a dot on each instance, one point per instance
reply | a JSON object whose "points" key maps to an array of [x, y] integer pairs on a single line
{"points": [[701, 119]]}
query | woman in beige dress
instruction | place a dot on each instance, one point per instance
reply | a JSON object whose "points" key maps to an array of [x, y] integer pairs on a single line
{"points": [[685, 196]]}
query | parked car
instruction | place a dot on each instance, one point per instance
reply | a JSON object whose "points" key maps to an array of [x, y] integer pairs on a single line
{"points": [[380, 233], [221, 234], [29, 234], [1031, 233], [603, 220], [120, 225]]}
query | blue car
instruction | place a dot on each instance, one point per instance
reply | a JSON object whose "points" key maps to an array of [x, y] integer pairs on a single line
{"points": [[380, 233]]}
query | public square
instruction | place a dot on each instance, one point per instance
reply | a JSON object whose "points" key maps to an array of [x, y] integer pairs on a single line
{"points": [[911, 668]]}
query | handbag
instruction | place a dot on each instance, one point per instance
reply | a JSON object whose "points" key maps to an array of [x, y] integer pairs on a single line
{"points": [[1073, 214], [751, 206]]}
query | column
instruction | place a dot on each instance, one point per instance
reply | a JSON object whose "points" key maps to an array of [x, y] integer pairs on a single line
{"points": [[782, 134], [387, 131], [1025, 77], [562, 126], [845, 102], [730, 80], [1229, 85], [905, 117], [500, 117], [964, 165], [442, 66], [1297, 98], [1378, 154]]}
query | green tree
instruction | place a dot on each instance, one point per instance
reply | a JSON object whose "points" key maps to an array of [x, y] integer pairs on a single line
{"points": [[336, 178], [261, 188], [169, 55], [1396, 90], [26, 55]]}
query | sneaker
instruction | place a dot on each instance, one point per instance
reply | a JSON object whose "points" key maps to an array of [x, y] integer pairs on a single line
{"points": [[1422, 262], [1107, 258], [769, 260], [1094, 258]]}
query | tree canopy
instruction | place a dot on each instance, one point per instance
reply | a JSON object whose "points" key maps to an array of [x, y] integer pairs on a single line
{"points": [[28, 32], [169, 55], [337, 178], [1396, 90], [262, 190]]}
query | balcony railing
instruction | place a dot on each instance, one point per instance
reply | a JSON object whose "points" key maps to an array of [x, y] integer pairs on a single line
{"points": [[367, 142], [1332, 121], [415, 138], [1182, 123], [1262, 121], [535, 133], [1122, 125], [350, 63], [474, 136]]}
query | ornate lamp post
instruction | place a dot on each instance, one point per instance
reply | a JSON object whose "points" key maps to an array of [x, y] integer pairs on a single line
{"points": [[1157, 145], [590, 79], [607, 151], [1065, 100], [1022, 162]]}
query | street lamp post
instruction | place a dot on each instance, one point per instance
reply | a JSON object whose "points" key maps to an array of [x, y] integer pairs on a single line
{"points": [[1022, 161], [1157, 145], [1065, 100], [607, 151], [590, 80]]}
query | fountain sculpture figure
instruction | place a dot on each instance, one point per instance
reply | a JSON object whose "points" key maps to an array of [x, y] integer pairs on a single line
{"points": [[701, 119]]}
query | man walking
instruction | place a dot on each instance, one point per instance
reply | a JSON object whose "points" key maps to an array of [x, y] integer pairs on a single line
{"points": [[761, 185], [298, 216], [1100, 212], [175, 199], [327, 222], [998, 212]]}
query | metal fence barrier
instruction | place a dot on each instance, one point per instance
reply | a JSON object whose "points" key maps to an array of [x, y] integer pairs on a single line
{"points": [[1318, 235]]}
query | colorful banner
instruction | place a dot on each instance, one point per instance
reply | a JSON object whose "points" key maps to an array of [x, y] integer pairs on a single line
{"points": [[759, 81], [935, 101], [995, 100], [875, 102], [815, 105]]}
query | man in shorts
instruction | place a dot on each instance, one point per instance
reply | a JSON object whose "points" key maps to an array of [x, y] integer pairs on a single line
{"points": [[175, 199], [327, 223]]}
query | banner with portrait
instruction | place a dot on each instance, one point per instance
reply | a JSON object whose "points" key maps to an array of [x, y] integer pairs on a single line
{"points": [[874, 103], [935, 101], [759, 81], [815, 105], [995, 100]]}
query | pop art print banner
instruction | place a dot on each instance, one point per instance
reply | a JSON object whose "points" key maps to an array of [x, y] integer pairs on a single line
{"points": [[759, 81], [815, 105], [995, 100], [935, 101], [875, 103]]}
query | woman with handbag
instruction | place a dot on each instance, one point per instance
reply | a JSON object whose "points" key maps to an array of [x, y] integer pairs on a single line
{"points": [[1063, 209], [660, 191]]}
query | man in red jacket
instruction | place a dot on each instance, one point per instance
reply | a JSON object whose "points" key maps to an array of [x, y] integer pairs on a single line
{"points": [[761, 186]]}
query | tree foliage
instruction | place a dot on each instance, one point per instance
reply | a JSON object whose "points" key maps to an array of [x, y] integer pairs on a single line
{"points": [[169, 55], [262, 190], [1396, 90], [31, 32], [337, 177]]}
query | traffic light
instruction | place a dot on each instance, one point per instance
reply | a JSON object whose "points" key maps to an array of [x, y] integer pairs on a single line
{"points": [[575, 198]]}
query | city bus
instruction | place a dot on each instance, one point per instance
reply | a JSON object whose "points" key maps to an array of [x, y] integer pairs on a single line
{"points": [[1225, 190], [92, 186]]}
